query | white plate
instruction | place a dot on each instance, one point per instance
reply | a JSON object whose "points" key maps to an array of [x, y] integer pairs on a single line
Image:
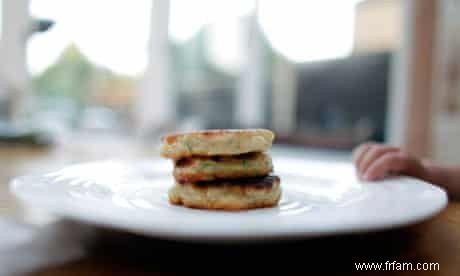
{"points": [[319, 198]]}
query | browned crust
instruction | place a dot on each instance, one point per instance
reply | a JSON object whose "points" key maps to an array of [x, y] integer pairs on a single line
{"points": [[250, 183], [225, 207], [188, 161], [182, 177], [223, 142], [171, 138], [239, 186], [183, 174]]}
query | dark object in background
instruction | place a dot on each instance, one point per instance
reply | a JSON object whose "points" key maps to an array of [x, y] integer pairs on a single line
{"points": [[12, 135], [41, 25], [343, 102], [214, 107]]}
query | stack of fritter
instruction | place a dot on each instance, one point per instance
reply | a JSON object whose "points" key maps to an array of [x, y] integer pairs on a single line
{"points": [[222, 169]]}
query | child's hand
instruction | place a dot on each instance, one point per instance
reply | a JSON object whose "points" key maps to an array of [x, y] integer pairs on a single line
{"points": [[376, 161]]}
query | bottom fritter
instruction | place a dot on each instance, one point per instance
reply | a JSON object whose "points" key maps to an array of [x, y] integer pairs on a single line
{"points": [[235, 194]]}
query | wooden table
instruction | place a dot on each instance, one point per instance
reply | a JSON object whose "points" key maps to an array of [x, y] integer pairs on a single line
{"points": [[115, 253]]}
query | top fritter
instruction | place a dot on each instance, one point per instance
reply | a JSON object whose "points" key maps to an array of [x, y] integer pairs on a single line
{"points": [[216, 142]]}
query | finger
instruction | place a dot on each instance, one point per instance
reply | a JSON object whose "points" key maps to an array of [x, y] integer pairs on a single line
{"points": [[373, 154], [390, 162], [359, 153]]}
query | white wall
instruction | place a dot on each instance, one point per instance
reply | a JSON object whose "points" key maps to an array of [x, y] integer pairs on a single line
{"points": [[13, 70], [446, 131], [155, 101]]}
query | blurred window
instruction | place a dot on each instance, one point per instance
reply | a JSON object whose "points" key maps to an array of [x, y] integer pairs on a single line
{"points": [[311, 70], [86, 67], [1, 18], [307, 31], [209, 41], [3, 97], [331, 69]]}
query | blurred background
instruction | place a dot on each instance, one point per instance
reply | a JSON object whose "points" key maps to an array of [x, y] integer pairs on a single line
{"points": [[322, 74], [84, 80]]}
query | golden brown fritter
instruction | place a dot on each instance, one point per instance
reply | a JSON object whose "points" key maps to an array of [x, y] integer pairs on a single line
{"points": [[236, 194], [192, 169], [216, 142]]}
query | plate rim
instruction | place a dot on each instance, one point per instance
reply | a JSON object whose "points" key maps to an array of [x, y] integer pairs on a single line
{"points": [[98, 219]]}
